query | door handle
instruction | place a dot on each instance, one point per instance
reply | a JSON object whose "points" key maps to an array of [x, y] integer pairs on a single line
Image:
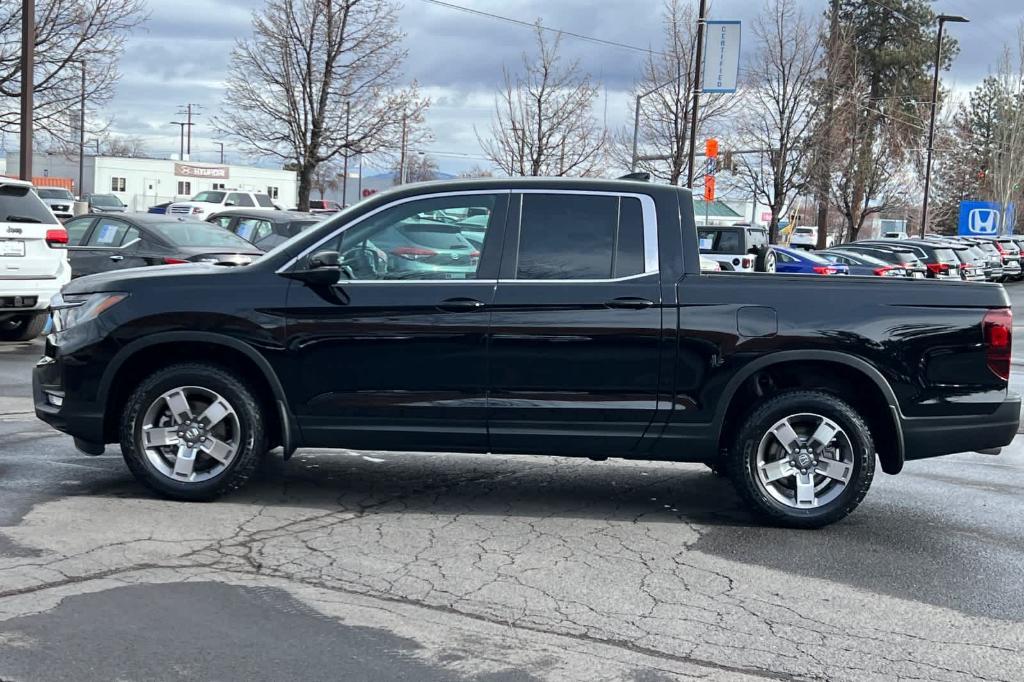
{"points": [[116, 258], [628, 303], [460, 305]]}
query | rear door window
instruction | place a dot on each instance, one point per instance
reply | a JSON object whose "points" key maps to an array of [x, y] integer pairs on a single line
{"points": [[264, 201], [585, 236], [109, 233], [758, 238], [77, 229], [240, 199], [719, 241]]}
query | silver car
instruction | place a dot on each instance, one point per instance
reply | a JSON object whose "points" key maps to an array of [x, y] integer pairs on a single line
{"points": [[60, 201]]}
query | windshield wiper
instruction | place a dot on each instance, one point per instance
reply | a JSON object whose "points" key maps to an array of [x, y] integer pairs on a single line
{"points": [[20, 219]]}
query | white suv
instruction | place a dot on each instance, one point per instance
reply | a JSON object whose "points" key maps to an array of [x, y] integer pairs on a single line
{"points": [[205, 204], [33, 260]]}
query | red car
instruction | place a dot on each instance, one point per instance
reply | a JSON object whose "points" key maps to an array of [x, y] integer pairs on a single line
{"points": [[323, 206]]}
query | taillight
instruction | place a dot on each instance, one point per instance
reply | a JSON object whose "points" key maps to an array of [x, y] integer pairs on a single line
{"points": [[56, 236], [999, 247], [998, 330], [884, 272], [474, 257], [824, 270], [414, 252], [748, 263], [939, 268], [174, 261]]}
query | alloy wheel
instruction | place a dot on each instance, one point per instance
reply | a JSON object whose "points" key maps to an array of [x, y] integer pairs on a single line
{"points": [[190, 434], [804, 461]]}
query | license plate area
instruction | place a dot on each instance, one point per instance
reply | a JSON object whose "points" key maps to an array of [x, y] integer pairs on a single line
{"points": [[12, 247]]}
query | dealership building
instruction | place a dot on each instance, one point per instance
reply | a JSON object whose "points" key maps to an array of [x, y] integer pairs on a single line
{"points": [[141, 183]]}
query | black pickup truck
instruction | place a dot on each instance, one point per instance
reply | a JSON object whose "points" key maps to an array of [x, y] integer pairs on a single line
{"points": [[537, 316]]}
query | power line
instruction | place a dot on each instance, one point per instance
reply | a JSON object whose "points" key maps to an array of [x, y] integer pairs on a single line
{"points": [[520, 22], [898, 13]]}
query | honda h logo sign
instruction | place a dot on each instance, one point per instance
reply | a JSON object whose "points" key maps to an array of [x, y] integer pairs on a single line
{"points": [[985, 218], [983, 221]]}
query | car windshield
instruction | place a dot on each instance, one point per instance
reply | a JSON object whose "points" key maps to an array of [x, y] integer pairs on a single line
{"points": [[209, 197], [195, 233], [107, 200], [813, 257], [54, 193], [946, 256], [804, 230]]}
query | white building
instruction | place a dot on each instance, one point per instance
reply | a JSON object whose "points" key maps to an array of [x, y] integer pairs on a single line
{"points": [[141, 183]]}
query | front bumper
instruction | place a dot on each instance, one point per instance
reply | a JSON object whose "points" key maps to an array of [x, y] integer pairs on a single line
{"points": [[935, 436]]}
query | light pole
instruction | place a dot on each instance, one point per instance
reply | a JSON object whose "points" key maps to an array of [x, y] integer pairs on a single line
{"points": [[221, 145], [943, 18], [28, 65], [81, 136], [181, 138]]}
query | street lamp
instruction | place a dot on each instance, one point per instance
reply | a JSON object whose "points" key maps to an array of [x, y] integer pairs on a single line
{"points": [[943, 18], [181, 138]]}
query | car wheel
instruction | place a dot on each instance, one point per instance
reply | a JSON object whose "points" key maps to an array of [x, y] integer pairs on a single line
{"points": [[803, 459], [766, 260], [193, 432], [23, 327]]}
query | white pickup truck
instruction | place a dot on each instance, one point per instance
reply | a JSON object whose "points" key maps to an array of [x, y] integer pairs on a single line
{"points": [[205, 204]]}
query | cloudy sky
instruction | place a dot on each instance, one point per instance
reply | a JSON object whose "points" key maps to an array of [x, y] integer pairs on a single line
{"points": [[181, 55]]}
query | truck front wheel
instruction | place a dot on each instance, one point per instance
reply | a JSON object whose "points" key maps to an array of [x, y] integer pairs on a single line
{"points": [[802, 459]]}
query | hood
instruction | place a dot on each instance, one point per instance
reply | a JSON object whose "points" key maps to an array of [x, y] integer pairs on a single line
{"points": [[128, 280]]}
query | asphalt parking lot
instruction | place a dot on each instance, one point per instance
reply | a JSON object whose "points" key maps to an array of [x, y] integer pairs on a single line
{"points": [[366, 565]]}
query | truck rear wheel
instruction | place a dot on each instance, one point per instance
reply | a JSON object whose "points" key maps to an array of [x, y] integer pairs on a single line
{"points": [[803, 459]]}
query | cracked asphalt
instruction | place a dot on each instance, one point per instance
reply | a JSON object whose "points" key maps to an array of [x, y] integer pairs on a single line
{"points": [[382, 566]]}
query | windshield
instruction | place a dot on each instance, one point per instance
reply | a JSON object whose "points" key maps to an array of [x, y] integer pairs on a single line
{"points": [[946, 256], [209, 197], [53, 193], [108, 200], [195, 233], [804, 230]]}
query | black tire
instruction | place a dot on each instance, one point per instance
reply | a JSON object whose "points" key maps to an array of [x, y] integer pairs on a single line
{"points": [[741, 462], [766, 260], [23, 327], [252, 437]]}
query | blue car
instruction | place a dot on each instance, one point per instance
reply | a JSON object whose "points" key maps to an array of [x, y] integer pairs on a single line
{"points": [[800, 262], [160, 208]]}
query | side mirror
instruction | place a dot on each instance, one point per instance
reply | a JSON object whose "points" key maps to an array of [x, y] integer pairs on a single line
{"points": [[324, 269]]}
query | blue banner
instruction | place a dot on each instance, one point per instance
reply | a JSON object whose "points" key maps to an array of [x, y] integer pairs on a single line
{"points": [[985, 219]]}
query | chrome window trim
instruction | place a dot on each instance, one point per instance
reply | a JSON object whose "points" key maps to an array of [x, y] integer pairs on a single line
{"points": [[647, 208]]}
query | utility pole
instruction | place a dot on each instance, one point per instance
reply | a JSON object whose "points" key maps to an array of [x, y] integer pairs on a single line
{"points": [[943, 18], [81, 137], [28, 65], [698, 68], [344, 172], [401, 169], [824, 150], [181, 138], [188, 110]]}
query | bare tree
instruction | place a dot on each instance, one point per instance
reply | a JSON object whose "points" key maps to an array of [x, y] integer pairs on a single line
{"points": [[666, 89], [319, 79], [477, 172], [779, 106], [543, 122], [418, 168], [131, 146], [70, 35], [1007, 162], [326, 177]]}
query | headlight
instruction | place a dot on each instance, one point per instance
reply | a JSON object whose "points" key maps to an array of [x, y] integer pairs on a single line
{"points": [[74, 309]]}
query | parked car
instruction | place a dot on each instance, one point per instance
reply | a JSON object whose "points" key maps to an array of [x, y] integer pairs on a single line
{"points": [[59, 200], [894, 234], [105, 203], [103, 243], [159, 209], [1013, 263], [708, 265], [744, 247], [584, 329], [865, 265], [806, 237], [204, 204], [974, 265], [910, 259], [265, 230], [922, 258], [985, 253], [800, 262], [323, 206], [33, 266]]}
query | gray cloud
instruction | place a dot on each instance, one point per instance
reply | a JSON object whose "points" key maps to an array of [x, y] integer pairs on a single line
{"points": [[182, 56]]}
